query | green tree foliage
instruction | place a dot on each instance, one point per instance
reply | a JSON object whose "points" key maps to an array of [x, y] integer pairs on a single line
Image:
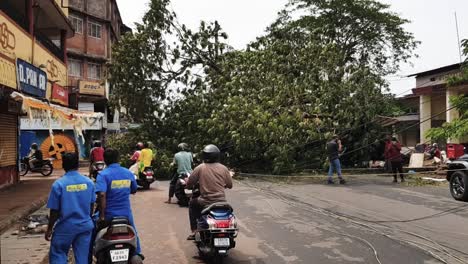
{"points": [[318, 70], [458, 128]]}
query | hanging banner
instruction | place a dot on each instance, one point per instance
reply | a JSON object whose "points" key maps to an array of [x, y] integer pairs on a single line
{"points": [[59, 94], [92, 88], [31, 79]]}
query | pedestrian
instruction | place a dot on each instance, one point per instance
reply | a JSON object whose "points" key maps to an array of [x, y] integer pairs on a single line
{"points": [[393, 154], [71, 202], [334, 149], [388, 164]]}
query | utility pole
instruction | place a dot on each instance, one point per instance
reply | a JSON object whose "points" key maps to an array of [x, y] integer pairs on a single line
{"points": [[458, 38]]}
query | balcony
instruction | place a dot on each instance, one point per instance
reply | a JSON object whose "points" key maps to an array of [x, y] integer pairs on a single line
{"points": [[50, 45]]}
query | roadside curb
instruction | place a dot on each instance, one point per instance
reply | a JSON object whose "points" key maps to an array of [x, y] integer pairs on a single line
{"points": [[10, 221]]}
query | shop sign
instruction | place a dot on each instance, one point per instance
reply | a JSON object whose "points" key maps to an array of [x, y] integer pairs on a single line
{"points": [[43, 124], [92, 88], [59, 94], [31, 79], [7, 72]]}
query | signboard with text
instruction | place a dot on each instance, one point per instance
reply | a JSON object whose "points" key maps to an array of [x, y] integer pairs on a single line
{"points": [[31, 79], [92, 88], [59, 94], [43, 124]]}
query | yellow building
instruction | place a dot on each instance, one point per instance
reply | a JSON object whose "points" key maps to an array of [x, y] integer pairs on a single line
{"points": [[33, 41]]}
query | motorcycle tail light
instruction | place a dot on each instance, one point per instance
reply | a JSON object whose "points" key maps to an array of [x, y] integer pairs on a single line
{"points": [[118, 233], [222, 223]]}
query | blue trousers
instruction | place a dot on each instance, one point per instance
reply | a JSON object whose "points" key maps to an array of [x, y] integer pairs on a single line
{"points": [[334, 165], [61, 243]]}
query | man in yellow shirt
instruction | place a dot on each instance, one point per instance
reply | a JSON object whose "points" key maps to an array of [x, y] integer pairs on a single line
{"points": [[146, 157]]}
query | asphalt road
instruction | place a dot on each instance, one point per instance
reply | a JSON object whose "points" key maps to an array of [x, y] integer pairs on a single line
{"points": [[362, 222]]}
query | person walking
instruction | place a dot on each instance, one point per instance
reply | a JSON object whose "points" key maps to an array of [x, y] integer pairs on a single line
{"points": [[71, 202], [334, 148], [393, 155]]}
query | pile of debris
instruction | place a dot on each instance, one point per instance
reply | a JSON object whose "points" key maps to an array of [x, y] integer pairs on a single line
{"points": [[35, 224]]}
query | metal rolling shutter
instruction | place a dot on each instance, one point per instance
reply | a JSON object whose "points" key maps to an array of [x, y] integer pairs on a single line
{"points": [[8, 140]]}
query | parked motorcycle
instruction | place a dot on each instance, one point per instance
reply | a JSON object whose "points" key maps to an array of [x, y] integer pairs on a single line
{"points": [[44, 167], [216, 232], [146, 178], [96, 168], [116, 244]]}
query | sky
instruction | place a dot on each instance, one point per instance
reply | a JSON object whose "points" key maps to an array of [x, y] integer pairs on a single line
{"points": [[432, 23]]}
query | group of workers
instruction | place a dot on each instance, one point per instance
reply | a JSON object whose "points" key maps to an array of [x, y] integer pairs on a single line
{"points": [[72, 207], [75, 200]]}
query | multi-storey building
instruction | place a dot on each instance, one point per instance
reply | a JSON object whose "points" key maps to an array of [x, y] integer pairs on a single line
{"points": [[33, 40], [98, 25]]}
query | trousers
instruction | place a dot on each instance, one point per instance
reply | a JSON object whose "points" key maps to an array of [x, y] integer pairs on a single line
{"points": [[61, 243]]}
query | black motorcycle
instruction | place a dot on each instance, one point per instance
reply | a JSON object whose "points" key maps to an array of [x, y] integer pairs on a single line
{"points": [[96, 168], [44, 167]]}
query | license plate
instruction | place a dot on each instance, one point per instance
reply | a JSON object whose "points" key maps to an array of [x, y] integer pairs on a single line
{"points": [[149, 177], [119, 255], [221, 242]]}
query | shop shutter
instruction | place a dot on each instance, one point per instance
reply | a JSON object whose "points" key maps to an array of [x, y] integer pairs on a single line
{"points": [[8, 140]]}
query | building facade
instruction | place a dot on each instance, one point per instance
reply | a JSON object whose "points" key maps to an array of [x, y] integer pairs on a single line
{"points": [[33, 40], [98, 25], [430, 105]]}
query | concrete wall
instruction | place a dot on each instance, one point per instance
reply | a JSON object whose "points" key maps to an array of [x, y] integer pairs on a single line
{"points": [[434, 79], [438, 104], [97, 8], [78, 4], [8, 176]]}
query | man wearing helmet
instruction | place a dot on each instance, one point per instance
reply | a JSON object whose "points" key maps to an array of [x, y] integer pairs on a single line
{"points": [[96, 154], [183, 159], [213, 178], [34, 156]]}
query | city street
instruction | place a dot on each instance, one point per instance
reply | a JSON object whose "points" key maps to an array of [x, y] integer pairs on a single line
{"points": [[367, 221]]}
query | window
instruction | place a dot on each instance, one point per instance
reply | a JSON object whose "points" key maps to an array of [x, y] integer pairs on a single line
{"points": [[94, 71], [77, 23], [75, 68], [94, 30]]}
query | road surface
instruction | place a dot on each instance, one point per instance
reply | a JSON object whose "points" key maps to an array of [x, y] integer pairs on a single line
{"points": [[362, 222]]}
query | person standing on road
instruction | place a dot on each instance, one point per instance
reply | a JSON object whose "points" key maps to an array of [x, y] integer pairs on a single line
{"points": [[213, 178], [184, 160], [334, 148], [71, 203], [113, 187], [393, 155]]}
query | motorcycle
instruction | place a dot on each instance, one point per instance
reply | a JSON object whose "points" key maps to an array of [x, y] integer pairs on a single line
{"points": [[216, 231], [146, 177], [44, 167], [96, 168], [116, 244]]}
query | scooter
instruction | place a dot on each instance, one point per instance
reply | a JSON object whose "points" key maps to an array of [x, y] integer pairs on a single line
{"points": [[116, 244], [181, 193], [146, 177], [216, 232], [96, 168]]}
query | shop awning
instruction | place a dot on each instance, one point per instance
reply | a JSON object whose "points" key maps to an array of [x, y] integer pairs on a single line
{"points": [[39, 109]]}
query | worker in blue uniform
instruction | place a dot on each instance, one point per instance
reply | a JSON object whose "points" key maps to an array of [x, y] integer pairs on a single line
{"points": [[113, 187], [71, 202]]}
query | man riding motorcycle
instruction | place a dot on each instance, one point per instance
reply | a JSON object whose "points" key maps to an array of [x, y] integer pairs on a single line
{"points": [[34, 156], [183, 159], [212, 178], [114, 186]]}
